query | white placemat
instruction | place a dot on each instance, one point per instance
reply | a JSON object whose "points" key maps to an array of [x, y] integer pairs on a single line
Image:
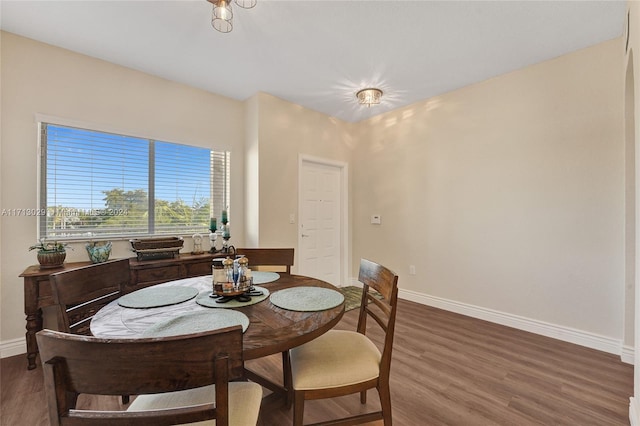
{"points": [[197, 322], [307, 299], [210, 302], [263, 277], [153, 297]]}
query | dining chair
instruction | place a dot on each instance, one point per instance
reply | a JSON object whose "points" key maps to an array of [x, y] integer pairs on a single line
{"points": [[178, 379], [269, 257], [282, 257], [342, 362], [79, 293]]}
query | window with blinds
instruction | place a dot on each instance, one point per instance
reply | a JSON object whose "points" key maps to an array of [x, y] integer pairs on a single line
{"points": [[97, 184]]}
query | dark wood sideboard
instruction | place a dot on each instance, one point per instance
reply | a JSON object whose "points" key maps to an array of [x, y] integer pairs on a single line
{"points": [[37, 290]]}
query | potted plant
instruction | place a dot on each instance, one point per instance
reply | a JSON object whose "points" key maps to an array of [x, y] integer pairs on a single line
{"points": [[50, 254]]}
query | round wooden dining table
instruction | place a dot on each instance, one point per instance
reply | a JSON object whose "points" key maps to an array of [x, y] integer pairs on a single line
{"points": [[271, 329]]}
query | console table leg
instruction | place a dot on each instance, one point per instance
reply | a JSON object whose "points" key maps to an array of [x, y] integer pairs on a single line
{"points": [[34, 324]]}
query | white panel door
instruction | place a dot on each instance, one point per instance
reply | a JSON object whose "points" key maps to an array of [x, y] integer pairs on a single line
{"points": [[320, 251]]}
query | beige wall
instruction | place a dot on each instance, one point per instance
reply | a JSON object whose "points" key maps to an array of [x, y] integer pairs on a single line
{"points": [[286, 131], [632, 96], [40, 79], [507, 195], [252, 178], [1, 192], [630, 204]]}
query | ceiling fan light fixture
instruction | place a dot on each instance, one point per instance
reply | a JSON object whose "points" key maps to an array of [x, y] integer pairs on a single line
{"points": [[222, 17], [246, 4], [369, 96]]}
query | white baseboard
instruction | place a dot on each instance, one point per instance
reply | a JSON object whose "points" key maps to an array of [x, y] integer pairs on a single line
{"points": [[13, 347], [627, 355], [559, 332], [634, 420], [355, 282], [567, 334]]}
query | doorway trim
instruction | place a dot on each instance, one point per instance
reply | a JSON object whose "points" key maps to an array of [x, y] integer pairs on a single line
{"points": [[344, 208], [631, 142]]}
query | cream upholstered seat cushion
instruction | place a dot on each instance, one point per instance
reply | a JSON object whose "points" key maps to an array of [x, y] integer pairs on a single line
{"points": [[244, 402], [337, 358]]}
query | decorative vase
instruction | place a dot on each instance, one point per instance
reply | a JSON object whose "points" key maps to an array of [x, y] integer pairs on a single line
{"points": [[98, 253], [51, 258]]}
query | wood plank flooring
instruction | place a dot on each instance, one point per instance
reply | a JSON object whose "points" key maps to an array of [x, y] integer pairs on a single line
{"points": [[447, 369]]}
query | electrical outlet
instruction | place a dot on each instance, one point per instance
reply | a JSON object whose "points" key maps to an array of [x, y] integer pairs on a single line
{"points": [[375, 219], [292, 218], [412, 269]]}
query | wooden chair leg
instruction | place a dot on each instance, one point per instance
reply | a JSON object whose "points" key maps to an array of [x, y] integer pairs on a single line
{"points": [[286, 373], [125, 399], [385, 402], [363, 397], [298, 408]]}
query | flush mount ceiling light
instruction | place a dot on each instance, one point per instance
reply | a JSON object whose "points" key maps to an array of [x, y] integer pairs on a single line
{"points": [[222, 17], [369, 96]]}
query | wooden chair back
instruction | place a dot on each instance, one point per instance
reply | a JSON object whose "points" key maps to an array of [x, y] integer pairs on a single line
{"points": [[80, 293], [319, 377], [74, 364], [381, 279], [268, 257]]}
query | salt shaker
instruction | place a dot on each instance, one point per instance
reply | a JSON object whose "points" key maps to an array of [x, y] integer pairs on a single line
{"points": [[243, 267]]}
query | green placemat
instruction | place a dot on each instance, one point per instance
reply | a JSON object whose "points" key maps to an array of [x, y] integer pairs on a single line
{"points": [[263, 277], [153, 297], [307, 299], [198, 322], [204, 300]]}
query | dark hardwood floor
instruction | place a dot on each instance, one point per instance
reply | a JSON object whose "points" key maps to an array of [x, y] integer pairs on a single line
{"points": [[447, 369]]}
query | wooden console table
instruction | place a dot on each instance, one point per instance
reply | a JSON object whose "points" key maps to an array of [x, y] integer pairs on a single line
{"points": [[37, 290]]}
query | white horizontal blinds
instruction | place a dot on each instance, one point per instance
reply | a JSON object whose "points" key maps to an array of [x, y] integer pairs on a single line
{"points": [[96, 183], [102, 184], [182, 188]]}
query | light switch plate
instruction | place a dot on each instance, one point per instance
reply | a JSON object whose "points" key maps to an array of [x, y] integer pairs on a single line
{"points": [[375, 219]]}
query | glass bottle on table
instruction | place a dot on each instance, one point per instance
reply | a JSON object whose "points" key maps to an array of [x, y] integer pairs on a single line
{"points": [[227, 286], [243, 267], [219, 275]]}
